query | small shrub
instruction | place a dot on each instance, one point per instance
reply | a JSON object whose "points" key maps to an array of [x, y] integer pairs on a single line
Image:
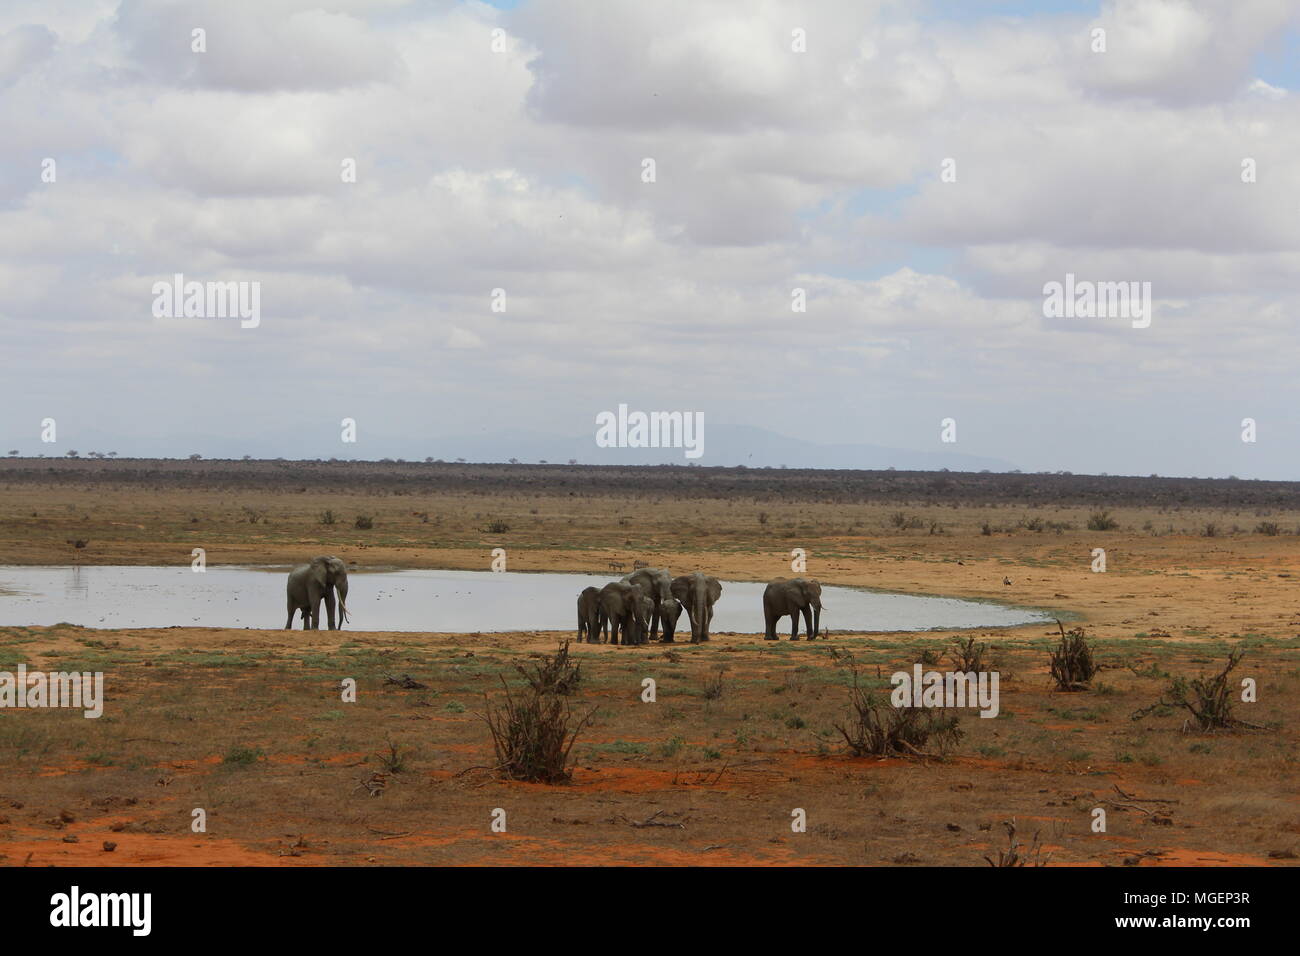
{"points": [[968, 655], [364, 522], [394, 761], [713, 686], [327, 517], [877, 729], [672, 747], [1012, 856], [1269, 528], [555, 674], [1072, 665], [533, 734], [242, 756], [496, 526], [1101, 521], [1207, 699]]}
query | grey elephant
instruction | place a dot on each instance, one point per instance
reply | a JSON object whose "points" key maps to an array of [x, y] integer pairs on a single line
{"points": [[589, 622], [697, 593], [657, 583], [309, 583], [626, 608], [793, 596]]}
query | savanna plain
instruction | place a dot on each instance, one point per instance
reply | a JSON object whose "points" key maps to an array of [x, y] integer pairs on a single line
{"points": [[250, 726]]}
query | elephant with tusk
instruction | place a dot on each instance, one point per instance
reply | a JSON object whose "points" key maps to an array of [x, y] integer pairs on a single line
{"points": [[697, 593], [657, 583], [627, 609], [793, 596], [309, 583]]}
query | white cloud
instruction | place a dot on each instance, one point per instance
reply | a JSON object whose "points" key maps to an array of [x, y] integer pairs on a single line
{"points": [[521, 170]]}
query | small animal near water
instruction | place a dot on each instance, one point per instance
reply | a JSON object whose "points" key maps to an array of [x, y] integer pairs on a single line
{"points": [[311, 583]]}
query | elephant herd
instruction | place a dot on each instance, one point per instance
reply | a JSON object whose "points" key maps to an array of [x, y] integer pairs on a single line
{"points": [[632, 610]]}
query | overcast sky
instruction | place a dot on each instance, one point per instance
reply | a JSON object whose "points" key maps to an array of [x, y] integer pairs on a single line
{"points": [[522, 169]]}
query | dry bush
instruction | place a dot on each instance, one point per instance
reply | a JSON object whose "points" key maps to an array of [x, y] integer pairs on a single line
{"points": [[713, 686], [533, 735], [394, 761], [1072, 665], [554, 674], [968, 655], [1207, 699], [1012, 856], [878, 729]]}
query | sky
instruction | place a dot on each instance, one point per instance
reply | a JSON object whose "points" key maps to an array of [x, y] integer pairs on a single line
{"points": [[920, 170]]}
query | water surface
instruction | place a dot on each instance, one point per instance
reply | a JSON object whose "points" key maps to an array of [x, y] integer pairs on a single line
{"points": [[453, 601]]}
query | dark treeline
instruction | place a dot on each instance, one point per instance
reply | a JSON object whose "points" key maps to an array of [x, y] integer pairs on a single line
{"points": [[762, 484]]}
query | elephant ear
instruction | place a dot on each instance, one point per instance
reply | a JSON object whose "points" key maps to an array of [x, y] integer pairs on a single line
{"points": [[715, 588], [681, 588]]}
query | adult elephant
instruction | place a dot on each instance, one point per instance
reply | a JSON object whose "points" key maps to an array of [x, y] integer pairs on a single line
{"points": [[657, 583], [627, 610], [589, 616], [793, 596], [309, 583], [697, 593]]}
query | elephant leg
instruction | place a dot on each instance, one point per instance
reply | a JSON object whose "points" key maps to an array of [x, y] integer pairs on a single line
{"points": [[288, 624], [329, 608], [770, 619], [794, 625], [807, 622], [654, 624]]}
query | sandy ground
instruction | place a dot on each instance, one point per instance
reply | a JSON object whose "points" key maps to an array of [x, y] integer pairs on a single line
{"points": [[249, 725]]}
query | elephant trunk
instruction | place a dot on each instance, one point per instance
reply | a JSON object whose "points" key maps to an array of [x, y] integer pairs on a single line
{"points": [[817, 621], [343, 607], [701, 622]]}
